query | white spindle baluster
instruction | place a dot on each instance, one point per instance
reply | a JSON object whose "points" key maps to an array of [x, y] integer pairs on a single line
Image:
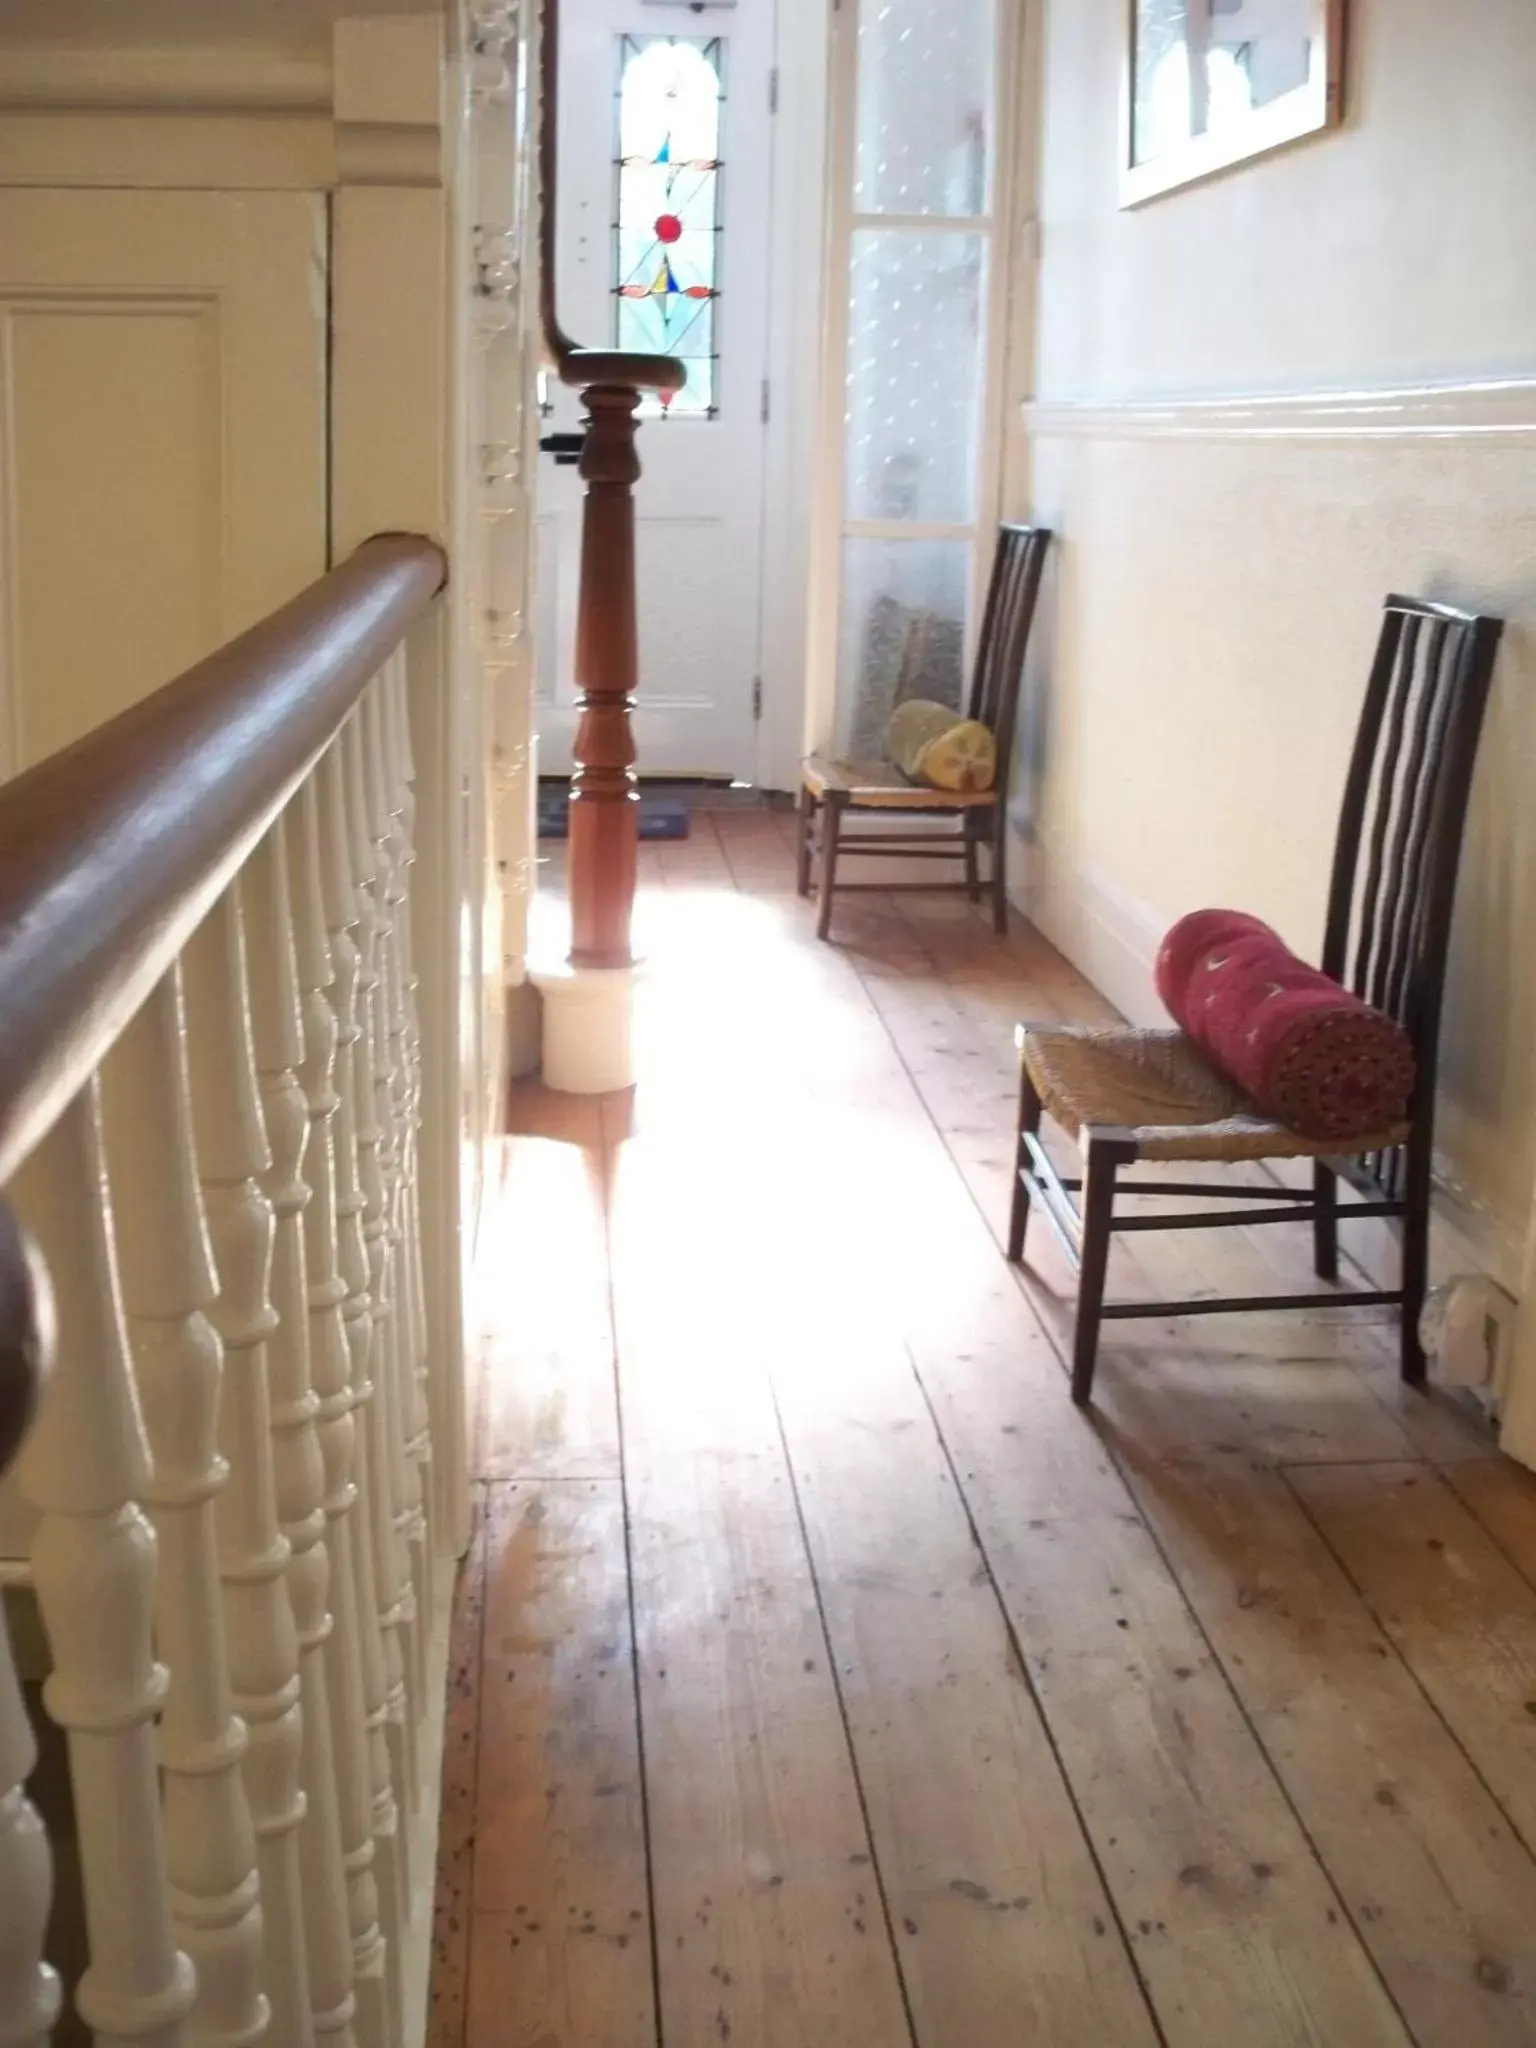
{"points": [[396, 740], [85, 1467], [343, 913], [29, 1989], [396, 1597], [330, 1370], [168, 1282], [440, 1407], [300, 1474], [263, 1643], [393, 1094]]}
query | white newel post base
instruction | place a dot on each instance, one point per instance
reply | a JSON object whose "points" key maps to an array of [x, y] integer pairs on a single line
{"points": [[588, 1018]]}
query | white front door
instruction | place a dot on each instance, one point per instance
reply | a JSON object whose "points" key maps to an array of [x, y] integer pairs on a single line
{"points": [[663, 228]]}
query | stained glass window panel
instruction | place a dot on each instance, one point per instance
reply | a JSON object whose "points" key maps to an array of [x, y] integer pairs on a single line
{"points": [[667, 227]]}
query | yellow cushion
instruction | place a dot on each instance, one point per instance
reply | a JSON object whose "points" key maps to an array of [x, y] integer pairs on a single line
{"points": [[932, 743]]}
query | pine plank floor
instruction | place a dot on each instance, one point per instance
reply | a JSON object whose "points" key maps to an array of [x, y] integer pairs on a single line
{"points": [[822, 1679]]}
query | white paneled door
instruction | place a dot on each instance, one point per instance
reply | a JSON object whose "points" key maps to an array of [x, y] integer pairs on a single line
{"points": [[666, 110]]}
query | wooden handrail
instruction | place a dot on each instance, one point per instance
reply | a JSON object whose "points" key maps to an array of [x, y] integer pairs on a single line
{"points": [[112, 851]]}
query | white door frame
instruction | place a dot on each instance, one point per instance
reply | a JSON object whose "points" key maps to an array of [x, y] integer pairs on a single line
{"points": [[792, 459]]}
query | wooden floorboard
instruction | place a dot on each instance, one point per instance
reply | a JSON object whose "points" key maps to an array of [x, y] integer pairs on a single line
{"points": [[1427, 1866], [1258, 1961], [951, 1716], [997, 1906], [548, 1407], [561, 1929], [447, 2015], [1503, 1498], [769, 1926], [1457, 1611], [1235, 1926]]}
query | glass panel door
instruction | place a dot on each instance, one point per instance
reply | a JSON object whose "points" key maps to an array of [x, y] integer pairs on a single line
{"points": [[912, 336]]}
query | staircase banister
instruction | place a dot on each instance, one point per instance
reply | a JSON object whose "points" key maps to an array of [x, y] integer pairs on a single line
{"points": [[581, 368], [114, 849]]}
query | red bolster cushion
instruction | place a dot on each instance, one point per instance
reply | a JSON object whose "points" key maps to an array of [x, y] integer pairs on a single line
{"points": [[1319, 1059]]}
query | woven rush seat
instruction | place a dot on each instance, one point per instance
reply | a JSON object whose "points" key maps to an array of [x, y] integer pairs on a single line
{"points": [[881, 786], [1154, 1087]]}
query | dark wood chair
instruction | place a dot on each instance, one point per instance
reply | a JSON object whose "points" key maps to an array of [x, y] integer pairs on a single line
{"points": [[831, 789], [1128, 1095]]}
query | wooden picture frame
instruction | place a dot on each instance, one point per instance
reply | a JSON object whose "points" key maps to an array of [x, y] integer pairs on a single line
{"points": [[1164, 89]]}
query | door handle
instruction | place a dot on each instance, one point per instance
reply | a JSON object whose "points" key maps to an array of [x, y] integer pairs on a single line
{"points": [[565, 448]]}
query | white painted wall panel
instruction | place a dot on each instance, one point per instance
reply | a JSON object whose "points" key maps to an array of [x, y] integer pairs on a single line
{"points": [[162, 458]]}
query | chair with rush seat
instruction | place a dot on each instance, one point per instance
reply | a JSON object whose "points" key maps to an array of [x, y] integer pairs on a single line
{"points": [[834, 788], [1128, 1095]]}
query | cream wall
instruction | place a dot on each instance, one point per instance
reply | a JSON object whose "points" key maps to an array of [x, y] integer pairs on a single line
{"points": [[1397, 249], [1213, 601]]}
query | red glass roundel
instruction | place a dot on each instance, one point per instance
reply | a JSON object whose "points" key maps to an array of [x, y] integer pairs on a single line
{"points": [[668, 228]]}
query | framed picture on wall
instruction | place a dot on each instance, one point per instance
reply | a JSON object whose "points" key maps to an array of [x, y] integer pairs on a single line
{"points": [[1211, 83]]}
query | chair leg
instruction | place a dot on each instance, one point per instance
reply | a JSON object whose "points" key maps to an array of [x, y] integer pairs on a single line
{"points": [[805, 827], [1101, 1165], [972, 865], [1415, 1261], [999, 875], [1029, 1124], [1325, 1221], [832, 808]]}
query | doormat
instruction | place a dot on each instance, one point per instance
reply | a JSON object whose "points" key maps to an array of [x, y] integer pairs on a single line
{"points": [[661, 817]]}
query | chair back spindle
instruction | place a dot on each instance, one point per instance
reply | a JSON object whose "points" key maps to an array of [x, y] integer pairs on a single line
{"points": [[1400, 827], [1012, 592]]}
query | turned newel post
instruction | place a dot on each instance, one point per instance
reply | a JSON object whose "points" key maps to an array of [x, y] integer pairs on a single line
{"points": [[605, 797], [586, 1012]]}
